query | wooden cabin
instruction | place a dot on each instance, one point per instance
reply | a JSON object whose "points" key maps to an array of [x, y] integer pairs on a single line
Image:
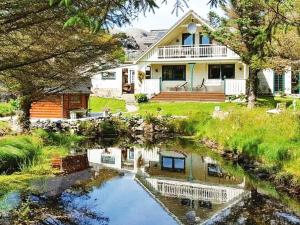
{"points": [[62, 105]]}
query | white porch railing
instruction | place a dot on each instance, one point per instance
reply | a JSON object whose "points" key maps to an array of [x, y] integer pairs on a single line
{"points": [[211, 51], [194, 191], [235, 86], [150, 86]]}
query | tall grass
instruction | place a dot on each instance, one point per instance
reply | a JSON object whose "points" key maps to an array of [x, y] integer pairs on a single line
{"points": [[16, 151]]}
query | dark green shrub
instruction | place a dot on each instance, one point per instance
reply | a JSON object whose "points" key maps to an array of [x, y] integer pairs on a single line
{"points": [[141, 98]]}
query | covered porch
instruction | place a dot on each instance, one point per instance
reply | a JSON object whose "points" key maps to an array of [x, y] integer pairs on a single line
{"points": [[215, 78]]}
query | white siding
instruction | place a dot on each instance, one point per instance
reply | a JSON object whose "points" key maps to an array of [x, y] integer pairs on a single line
{"points": [[266, 81]]}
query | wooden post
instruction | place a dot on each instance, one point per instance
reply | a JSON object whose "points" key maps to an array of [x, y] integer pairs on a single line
{"points": [[192, 67]]}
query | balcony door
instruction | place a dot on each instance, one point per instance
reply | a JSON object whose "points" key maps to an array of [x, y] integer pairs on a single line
{"points": [[188, 39]]}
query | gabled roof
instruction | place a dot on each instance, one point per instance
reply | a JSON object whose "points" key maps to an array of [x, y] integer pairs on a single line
{"points": [[189, 13]]}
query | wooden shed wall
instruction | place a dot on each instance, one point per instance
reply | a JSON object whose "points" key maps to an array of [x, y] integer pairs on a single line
{"points": [[50, 107], [82, 103]]}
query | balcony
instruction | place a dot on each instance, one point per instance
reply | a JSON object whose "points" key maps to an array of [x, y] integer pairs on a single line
{"points": [[192, 52]]}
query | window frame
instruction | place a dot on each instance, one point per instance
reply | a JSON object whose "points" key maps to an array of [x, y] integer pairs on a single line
{"points": [[200, 39], [172, 69], [188, 34], [221, 71], [109, 75]]}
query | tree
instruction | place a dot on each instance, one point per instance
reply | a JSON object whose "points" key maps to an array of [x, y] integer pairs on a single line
{"points": [[250, 27], [38, 56]]}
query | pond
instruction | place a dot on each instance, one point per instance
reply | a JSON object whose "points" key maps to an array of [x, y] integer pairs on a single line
{"points": [[174, 182]]}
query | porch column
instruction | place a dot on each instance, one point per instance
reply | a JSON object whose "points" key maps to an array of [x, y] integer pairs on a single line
{"points": [[245, 71], [192, 67]]}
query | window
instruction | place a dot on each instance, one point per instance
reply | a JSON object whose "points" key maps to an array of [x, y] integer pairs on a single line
{"points": [[75, 99], [188, 39], [173, 164], [131, 76], [174, 72], [214, 71], [148, 72], [228, 71], [107, 159], [221, 71], [205, 40], [108, 75]]}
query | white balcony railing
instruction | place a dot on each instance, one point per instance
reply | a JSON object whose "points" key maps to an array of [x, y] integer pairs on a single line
{"points": [[213, 51]]}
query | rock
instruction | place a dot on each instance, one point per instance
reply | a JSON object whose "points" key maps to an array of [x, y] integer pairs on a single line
{"points": [[242, 220], [288, 217], [191, 216]]}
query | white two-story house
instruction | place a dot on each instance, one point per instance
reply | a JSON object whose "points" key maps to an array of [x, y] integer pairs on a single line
{"points": [[186, 64]]}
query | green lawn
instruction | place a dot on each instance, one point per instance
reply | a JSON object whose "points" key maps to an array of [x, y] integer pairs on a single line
{"points": [[182, 108], [97, 104]]}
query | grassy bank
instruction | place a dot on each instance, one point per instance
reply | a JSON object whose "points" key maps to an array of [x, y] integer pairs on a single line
{"points": [[274, 140], [97, 104], [27, 157]]}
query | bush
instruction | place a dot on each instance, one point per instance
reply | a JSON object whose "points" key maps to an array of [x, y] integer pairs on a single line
{"points": [[140, 98], [6, 109]]}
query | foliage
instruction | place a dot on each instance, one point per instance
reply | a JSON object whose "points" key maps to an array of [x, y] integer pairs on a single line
{"points": [[141, 98], [97, 104], [39, 57], [6, 109], [251, 28], [5, 128], [141, 76]]}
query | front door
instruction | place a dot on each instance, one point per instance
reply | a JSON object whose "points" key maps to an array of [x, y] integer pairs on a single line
{"points": [[278, 83]]}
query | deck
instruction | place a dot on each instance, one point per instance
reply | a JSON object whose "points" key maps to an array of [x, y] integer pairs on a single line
{"points": [[190, 96]]}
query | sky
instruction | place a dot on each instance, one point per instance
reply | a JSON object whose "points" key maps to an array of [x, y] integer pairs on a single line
{"points": [[163, 17]]}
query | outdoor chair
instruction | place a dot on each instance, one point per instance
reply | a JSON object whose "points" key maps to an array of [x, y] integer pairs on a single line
{"points": [[180, 86], [280, 107], [202, 85]]}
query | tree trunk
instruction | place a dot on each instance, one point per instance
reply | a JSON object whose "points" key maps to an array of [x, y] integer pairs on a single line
{"points": [[253, 85], [24, 113]]}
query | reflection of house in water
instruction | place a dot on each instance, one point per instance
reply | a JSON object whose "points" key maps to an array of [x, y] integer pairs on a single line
{"points": [[181, 181], [127, 158]]}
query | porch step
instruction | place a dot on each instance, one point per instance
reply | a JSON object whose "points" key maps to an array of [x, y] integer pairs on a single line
{"points": [[190, 96]]}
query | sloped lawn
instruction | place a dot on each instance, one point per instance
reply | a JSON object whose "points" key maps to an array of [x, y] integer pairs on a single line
{"points": [[97, 104]]}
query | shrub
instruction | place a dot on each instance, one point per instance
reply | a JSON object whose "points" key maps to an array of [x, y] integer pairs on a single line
{"points": [[140, 98]]}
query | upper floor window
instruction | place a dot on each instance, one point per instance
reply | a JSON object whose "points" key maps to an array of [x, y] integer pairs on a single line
{"points": [[216, 71], [188, 39], [205, 40], [173, 72]]}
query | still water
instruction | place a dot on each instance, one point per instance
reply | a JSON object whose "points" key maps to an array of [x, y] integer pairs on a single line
{"points": [[175, 182]]}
